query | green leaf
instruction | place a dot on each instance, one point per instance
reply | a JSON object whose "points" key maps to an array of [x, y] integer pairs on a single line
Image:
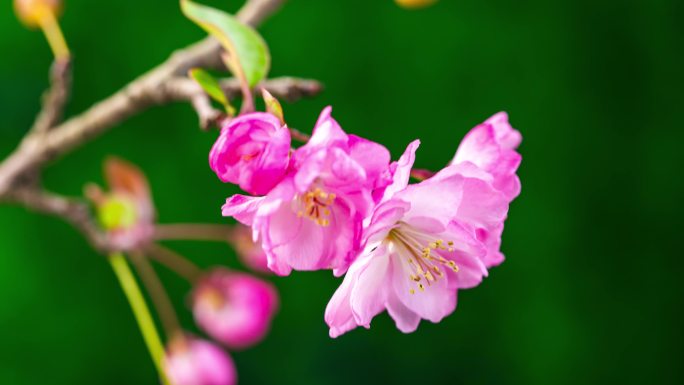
{"points": [[249, 59], [212, 87]]}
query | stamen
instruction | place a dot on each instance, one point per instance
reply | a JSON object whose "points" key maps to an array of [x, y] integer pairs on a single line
{"points": [[425, 262], [315, 205]]}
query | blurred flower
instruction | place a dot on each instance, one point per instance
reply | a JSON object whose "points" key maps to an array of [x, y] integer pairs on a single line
{"points": [[234, 308], [415, 3], [312, 219], [250, 253], [192, 361], [126, 211], [32, 12], [252, 151], [422, 243], [491, 147]]}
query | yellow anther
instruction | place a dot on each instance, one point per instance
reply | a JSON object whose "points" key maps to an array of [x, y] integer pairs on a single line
{"points": [[429, 276]]}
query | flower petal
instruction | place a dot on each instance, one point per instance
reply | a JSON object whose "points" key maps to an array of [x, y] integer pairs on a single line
{"points": [[369, 294], [401, 170], [433, 303], [406, 320], [242, 207]]}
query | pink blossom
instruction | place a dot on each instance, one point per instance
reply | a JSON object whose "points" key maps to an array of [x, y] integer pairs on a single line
{"points": [[250, 253], [126, 210], [491, 147], [234, 308], [252, 152], [192, 361], [312, 220], [421, 245]]}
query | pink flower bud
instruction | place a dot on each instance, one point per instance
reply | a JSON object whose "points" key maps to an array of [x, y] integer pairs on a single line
{"points": [[197, 362], [234, 308], [250, 253], [253, 152]]}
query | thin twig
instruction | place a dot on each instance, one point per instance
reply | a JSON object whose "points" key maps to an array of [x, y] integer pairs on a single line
{"points": [[160, 298], [184, 89], [56, 97], [72, 210], [37, 150], [194, 232], [173, 261]]}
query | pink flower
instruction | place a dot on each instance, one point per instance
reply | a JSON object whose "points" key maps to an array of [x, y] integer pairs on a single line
{"points": [[312, 219], [252, 151], [421, 245], [491, 147], [234, 308], [191, 361], [125, 211], [250, 253]]}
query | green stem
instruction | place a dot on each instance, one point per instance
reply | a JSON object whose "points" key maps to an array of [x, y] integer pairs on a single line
{"points": [[142, 313]]}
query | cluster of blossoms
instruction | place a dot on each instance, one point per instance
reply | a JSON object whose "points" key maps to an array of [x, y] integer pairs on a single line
{"points": [[233, 308], [338, 202]]}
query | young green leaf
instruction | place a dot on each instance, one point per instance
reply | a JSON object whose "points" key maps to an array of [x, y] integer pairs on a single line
{"points": [[212, 87], [249, 59]]}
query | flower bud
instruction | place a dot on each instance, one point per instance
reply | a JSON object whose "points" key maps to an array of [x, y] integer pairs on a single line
{"points": [[253, 151], [192, 361], [234, 308], [126, 211], [31, 12], [250, 253], [415, 3]]}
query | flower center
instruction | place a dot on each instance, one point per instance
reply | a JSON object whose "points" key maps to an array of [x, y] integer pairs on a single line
{"points": [[424, 255], [315, 205]]}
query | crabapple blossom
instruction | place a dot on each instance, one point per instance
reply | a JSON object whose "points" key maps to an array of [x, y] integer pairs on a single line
{"points": [[312, 219], [423, 242]]}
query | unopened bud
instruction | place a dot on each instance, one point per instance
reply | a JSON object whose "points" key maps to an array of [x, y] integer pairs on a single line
{"points": [[415, 3], [117, 213], [191, 361], [32, 12]]}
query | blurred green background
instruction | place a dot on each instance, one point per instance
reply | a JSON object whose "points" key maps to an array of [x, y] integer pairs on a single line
{"points": [[591, 289]]}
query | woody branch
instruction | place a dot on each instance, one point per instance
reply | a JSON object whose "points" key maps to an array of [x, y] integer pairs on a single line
{"points": [[49, 139]]}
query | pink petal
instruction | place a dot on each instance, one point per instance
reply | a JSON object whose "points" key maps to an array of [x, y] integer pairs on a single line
{"points": [[401, 170], [242, 207], [338, 313], [434, 303], [406, 320], [369, 295]]}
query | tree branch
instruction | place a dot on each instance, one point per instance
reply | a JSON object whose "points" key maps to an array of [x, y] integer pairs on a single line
{"points": [[185, 89], [74, 211], [56, 97], [37, 150]]}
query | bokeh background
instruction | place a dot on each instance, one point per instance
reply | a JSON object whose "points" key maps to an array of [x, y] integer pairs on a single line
{"points": [[591, 289]]}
